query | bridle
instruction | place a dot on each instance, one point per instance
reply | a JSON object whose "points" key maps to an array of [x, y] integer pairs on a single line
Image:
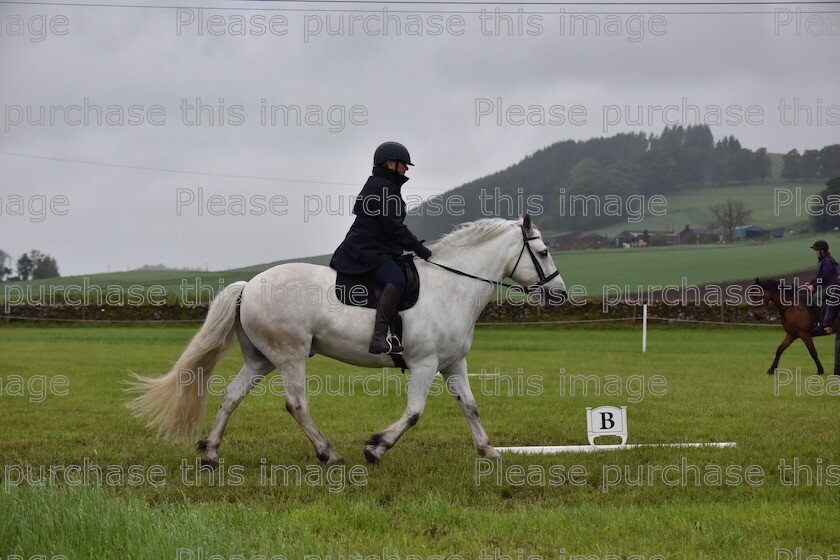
{"points": [[540, 272], [768, 300], [543, 279]]}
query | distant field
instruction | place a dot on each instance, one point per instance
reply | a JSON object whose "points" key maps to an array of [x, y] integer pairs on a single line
{"points": [[430, 497], [634, 268], [692, 208], [174, 282], [699, 264]]}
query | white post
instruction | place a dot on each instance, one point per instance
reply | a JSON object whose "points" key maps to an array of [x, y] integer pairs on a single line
{"points": [[644, 328]]}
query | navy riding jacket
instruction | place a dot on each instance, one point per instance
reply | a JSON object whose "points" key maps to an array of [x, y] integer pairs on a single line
{"points": [[826, 273], [378, 233]]}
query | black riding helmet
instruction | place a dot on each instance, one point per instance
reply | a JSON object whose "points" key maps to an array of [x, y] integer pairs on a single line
{"points": [[391, 150], [820, 245]]}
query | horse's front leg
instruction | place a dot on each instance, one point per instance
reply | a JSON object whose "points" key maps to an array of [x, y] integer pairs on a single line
{"points": [[458, 384], [419, 382], [809, 343], [782, 347]]}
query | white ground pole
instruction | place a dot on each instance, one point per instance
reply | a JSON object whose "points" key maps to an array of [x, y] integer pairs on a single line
{"points": [[644, 328], [551, 449]]}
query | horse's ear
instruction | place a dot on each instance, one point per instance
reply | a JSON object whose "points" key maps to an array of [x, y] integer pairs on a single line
{"points": [[526, 222], [757, 281]]}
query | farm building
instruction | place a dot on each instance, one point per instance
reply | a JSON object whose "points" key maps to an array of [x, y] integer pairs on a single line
{"points": [[644, 238], [692, 235], [574, 241], [750, 232]]}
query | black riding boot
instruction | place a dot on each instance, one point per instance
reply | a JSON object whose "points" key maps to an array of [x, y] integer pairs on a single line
{"points": [[830, 316], [381, 343], [827, 321]]}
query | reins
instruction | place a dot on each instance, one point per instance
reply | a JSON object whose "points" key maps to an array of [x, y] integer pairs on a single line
{"points": [[525, 290], [474, 277]]}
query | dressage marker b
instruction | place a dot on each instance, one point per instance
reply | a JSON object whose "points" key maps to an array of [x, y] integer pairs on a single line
{"points": [[603, 421]]}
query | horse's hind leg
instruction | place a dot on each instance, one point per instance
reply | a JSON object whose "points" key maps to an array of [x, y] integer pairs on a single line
{"points": [[294, 375], [809, 343], [256, 367], [837, 354], [458, 384], [248, 377]]}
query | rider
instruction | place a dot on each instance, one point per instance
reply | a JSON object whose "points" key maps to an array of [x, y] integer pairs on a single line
{"points": [[378, 236], [827, 281]]}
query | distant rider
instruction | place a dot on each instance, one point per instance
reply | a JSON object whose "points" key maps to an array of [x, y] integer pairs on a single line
{"points": [[378, 236], [826, 281]]}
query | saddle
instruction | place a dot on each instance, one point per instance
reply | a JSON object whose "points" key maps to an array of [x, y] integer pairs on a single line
{"points": [[360, 290]]}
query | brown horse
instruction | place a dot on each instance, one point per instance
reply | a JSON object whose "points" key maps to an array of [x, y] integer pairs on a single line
{"points": [[797, 318]]}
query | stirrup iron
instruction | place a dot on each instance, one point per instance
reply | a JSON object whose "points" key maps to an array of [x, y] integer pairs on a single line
{"points": [[393, 342]]}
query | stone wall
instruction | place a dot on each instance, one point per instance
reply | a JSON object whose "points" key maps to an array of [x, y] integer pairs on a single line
{"points": [[505, 312]]}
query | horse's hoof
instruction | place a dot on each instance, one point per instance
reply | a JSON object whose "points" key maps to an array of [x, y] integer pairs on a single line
{"points": [[771, 371], [371, 456], [209, 462], [490, 452], [820, 372], [331, 458]]}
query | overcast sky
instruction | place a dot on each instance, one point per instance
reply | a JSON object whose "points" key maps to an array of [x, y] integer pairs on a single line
{"points": [[132, 191]]}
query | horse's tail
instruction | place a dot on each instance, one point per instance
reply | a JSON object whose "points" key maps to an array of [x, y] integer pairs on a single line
{"points": [[175, 403]]}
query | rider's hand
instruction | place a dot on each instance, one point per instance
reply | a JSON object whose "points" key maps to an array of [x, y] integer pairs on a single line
{"points": [[425, 254]]}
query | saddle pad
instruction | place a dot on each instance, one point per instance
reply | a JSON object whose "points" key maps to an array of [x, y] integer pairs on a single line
{"points": [[360, 290]]}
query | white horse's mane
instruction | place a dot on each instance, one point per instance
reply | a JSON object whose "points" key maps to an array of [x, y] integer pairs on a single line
{"points": [[473, 233]]}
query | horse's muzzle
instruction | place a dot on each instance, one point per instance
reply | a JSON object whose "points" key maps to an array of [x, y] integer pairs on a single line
{"points": [[554, 296]]}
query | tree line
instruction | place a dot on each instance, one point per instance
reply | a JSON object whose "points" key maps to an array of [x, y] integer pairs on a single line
{"points": [[812, 164], [33, 265], [826, 216]]}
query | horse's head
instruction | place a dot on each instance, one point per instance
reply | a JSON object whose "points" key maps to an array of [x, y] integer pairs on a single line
{"points": [[535, 269], [769, 291]]}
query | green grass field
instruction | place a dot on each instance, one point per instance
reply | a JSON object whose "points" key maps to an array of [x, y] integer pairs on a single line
{"points": [[699, 264], [430, 497]]}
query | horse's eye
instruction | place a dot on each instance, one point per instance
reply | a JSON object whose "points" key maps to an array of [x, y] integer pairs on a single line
{"points": [[544, 253]]}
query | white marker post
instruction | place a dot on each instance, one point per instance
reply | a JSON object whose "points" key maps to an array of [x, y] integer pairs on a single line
{"points": [[606, 421], [644, 328]]}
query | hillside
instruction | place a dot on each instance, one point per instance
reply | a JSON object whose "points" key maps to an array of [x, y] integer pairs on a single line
{"points": [[178, 285], [692, 207], [682, 164]]}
